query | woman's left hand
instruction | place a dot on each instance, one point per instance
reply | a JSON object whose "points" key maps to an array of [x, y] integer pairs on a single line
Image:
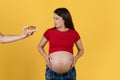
{"points": [[74, 62]]}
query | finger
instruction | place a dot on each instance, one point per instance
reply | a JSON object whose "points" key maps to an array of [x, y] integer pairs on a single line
{"points": [[49, 65], [72, 64], [29, 33]]}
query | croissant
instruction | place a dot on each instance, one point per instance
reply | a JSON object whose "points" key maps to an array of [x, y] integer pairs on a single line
{"points": [[30, 28]]}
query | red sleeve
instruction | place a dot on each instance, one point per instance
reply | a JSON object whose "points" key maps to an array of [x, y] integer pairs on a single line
{"points": [[77, 36], [46, 34]]}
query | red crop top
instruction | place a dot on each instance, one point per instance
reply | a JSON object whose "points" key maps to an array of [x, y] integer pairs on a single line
{"points": [[61, 41]]}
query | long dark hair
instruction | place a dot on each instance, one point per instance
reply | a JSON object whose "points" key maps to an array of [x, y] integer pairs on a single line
{"points": [[65, 14]]}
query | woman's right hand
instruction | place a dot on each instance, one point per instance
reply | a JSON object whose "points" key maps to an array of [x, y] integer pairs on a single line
{"points": [[48, 61]]}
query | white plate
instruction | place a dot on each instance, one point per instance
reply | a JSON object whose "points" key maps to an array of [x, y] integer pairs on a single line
{"points": [[30, 30]]}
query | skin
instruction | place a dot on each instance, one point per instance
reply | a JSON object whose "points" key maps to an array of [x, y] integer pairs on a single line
{"points": [[12, 38], [59, 23], [61, 61]]}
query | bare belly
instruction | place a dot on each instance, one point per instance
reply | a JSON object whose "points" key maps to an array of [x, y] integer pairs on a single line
{"points": [[61, 61]]}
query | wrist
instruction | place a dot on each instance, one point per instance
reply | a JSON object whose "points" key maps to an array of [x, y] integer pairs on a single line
{"points": [[75, 58], [23, 35], [45, 56]]}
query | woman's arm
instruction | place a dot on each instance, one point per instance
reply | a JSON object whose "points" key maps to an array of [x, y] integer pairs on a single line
{"points": [[12, 38], [42, 51], [41, 47], [80, 51]]}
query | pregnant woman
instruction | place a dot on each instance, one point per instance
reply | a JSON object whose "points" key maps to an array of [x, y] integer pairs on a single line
{"points": [[60, 60]]}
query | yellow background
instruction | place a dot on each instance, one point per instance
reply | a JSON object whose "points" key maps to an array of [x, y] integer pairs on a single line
{"points": [[97, 21]]}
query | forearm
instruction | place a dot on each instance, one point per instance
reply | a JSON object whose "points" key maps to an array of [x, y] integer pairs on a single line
{"points": [[79, 54], [42, 52], [11, 38], [46, 57]]}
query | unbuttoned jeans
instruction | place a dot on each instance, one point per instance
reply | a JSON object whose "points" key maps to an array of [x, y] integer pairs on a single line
{"points": [[51, 75]]}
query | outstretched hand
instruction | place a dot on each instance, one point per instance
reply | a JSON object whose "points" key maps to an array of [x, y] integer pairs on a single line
{"points": [[28, 33]]}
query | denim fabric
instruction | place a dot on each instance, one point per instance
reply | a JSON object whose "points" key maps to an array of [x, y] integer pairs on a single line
{"points": [[51, 75]]}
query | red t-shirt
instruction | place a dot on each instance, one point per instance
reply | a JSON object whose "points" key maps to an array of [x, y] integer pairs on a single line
{"points": [[61, 41]]}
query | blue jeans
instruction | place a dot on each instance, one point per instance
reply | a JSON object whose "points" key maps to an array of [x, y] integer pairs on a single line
{"points": [[51, 75]]}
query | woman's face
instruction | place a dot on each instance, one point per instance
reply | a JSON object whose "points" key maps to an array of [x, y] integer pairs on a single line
{"points": [[58, 21]]}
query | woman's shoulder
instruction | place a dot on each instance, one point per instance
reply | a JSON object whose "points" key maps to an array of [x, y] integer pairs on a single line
{"points": [[73, 31], [50, 29]]}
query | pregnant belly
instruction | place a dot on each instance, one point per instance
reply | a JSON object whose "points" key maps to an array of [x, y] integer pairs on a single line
{"points": [[61, 61]]}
